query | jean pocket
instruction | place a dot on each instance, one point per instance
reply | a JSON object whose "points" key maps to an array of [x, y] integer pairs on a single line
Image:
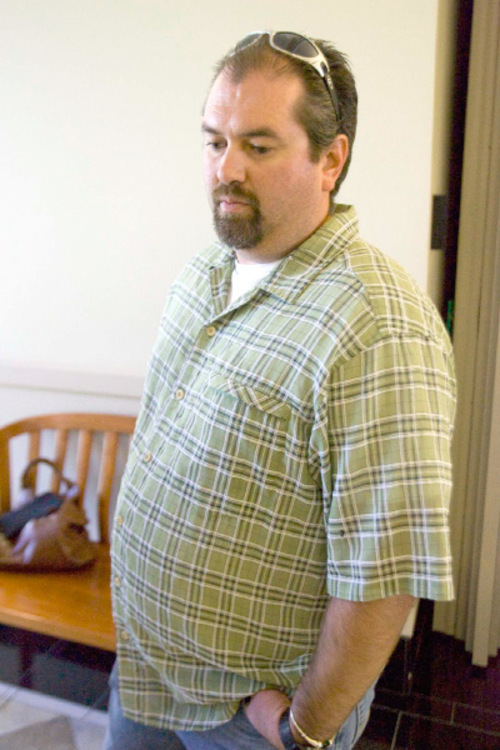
{"points": [[248, 732], [355, 724]]}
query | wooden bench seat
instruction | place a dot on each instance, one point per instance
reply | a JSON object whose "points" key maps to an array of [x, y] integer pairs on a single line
{"points": [[71, 605], [76, 605]]}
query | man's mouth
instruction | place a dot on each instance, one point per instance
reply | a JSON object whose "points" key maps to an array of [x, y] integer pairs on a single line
{"points": [[233, 201], [231, 205]]}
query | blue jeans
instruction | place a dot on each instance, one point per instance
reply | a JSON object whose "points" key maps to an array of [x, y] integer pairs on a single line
{"points": [[236, 734]]}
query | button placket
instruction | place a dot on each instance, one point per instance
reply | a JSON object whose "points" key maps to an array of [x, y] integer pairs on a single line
{"points": [[185, 374]]}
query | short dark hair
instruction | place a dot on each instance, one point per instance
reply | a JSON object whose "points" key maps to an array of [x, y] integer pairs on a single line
{"points": [[314, 111]]}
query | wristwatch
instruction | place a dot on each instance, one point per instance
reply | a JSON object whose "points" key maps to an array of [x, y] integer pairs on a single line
{"points": [[286, 735], [288, 740]]}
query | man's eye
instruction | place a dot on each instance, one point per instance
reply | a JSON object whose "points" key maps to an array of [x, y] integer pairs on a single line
{"points": [[215, 145], [260, 150]]}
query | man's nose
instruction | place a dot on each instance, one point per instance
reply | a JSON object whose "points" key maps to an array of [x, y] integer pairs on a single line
{"points": [[231, 166]]}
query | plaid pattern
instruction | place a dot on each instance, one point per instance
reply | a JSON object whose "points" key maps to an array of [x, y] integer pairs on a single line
{"points": [[290, 447]]}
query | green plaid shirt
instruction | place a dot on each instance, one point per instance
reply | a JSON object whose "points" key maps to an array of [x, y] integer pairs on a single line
{"points": [[291, 447]]}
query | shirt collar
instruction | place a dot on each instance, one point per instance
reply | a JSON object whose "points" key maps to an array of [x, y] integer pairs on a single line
{"points": [[305, 261]]}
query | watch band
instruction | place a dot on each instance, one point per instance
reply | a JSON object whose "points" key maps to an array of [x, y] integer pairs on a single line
{"points": [[286, 735]]}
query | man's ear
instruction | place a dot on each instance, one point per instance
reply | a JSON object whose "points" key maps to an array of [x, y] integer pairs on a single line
{"points": [[334, 158]]}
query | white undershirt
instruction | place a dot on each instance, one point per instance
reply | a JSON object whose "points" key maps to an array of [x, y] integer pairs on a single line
{"points": [[247, 275]]}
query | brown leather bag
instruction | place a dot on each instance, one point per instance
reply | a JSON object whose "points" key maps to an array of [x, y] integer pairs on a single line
{"points": [[52, 533]]}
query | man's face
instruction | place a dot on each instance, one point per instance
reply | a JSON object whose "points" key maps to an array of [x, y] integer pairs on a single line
{"points": [[266, 194]]}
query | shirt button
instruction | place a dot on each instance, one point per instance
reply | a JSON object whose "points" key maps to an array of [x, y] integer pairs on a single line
{"points": [[119, 520], [124, 635], [179, 394], [211, 331], [148, 457], [117, 581]]}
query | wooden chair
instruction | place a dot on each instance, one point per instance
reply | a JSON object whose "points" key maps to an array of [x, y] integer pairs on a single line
{"points": [[76, 605]]}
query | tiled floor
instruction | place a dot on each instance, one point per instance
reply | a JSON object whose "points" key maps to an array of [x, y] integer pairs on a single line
{"points": [[429, 697], [32, 721], [53, 694]]}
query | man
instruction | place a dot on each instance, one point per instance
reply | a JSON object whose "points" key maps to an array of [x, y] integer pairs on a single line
{"points": [[285, 500]]}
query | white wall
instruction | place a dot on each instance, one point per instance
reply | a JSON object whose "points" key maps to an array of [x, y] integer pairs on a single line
{"points": [[101, 197]]}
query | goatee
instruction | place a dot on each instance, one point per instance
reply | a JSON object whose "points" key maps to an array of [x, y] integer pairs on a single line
{"points": [[235, 230]]}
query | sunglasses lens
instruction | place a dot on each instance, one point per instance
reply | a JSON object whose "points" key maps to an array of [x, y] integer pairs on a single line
{"points": [[294, 43], [299, 46], [247, 40]]}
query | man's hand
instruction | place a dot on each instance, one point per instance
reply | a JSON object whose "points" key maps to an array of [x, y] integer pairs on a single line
{"points": [[264, 712]]}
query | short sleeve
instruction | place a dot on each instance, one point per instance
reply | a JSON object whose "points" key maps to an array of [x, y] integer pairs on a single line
{"points": [[390, 420]]}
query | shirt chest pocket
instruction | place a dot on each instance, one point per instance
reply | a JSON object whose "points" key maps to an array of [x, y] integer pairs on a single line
{"points": [[250, 423], [247, 442], [247, 398]]}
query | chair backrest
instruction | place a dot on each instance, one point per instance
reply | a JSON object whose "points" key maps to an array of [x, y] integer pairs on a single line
{"points": [[96, 436]]}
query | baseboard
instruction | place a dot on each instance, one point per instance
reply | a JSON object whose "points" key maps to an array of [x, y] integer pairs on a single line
{"points": [[70, 381]]}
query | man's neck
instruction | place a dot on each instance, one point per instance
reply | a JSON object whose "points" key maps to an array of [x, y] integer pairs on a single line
{"points": [[269, 251]]}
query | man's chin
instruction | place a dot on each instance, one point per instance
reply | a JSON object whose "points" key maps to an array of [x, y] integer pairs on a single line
{"points": [[242, 234]]}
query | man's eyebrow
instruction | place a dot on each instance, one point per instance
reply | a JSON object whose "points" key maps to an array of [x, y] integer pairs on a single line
{"points": [[207, 129], [260, 133], [254, 133]]}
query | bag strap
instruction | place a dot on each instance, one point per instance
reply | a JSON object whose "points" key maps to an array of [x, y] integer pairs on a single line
{"points": [[27, 480]]}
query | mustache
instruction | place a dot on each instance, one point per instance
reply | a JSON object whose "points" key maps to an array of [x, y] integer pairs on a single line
{"points": [[234, 191]]}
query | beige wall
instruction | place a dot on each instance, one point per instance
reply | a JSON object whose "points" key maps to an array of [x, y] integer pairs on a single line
{"points": [[100, 186]]}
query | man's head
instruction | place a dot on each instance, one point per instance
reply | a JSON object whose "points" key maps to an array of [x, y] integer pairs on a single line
{"points": [[277, 189], [321, 120]]}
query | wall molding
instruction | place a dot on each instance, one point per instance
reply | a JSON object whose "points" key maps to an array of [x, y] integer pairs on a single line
{"points": [[474, 616], [70, 381]]}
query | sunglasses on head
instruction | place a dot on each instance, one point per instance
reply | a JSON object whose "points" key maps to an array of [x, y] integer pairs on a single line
{"points": [[301, 48]]}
